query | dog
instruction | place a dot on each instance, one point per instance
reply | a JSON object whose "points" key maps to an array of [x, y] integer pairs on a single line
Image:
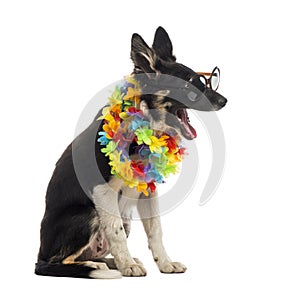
{"points": [[79, 230]]}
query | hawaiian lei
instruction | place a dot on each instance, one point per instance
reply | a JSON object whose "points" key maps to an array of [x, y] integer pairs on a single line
{"points": [[156, 154]]}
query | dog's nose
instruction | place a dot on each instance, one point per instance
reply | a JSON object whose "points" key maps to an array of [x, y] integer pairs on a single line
{"points": [[222, 101]]}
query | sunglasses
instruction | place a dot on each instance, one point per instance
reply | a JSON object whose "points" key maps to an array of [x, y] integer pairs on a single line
{"points": [[213, 79]]}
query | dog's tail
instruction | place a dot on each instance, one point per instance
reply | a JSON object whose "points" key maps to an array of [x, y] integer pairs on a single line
{"points": [[44, 268]]}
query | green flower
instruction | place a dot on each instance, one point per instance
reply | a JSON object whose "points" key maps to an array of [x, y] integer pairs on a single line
{"points": [[143, 135], [169, 169], [110, 147]]}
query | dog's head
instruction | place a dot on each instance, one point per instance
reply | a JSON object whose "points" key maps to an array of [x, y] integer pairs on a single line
{"points": [[168, 87]]}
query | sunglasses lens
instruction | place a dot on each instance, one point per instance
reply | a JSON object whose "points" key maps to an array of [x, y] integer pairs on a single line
{"points": [[202, 79], [215, 79]]}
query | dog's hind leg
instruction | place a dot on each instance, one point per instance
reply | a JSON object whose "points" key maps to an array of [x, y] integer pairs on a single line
{"points": [[65, 235], [100, 269], [75, 270], [149, 213]]}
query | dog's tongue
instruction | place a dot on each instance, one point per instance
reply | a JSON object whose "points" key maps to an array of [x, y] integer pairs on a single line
{"points": [[187, 127]]}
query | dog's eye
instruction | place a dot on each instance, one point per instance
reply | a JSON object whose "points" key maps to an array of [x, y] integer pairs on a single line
{"points": [[168, 105]]}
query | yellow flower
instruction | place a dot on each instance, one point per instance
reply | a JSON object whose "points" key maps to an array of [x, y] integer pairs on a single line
{"points": [[142, 187], [156, 144], [114, 158], [125, 170], [116, 97], [131, 183], [105, 112], [163, 139], [131, 79], [123, 115]]}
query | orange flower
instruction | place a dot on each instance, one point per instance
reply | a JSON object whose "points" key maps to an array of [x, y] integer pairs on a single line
{"points": [[111, 127], [133, 95]]}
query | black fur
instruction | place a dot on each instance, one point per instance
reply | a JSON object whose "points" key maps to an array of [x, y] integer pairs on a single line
{"points": [[44, 268], [67, 225]]}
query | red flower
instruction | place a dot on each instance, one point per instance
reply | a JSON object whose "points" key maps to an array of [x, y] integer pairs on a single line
{"points": [[138, 168], [111, 133], [181, 150], [134, 110], [152, 186], [171, 144]]}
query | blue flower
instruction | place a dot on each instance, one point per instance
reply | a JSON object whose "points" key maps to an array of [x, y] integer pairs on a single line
{"points": [[102, 140], [138, 123], [153, 174]]}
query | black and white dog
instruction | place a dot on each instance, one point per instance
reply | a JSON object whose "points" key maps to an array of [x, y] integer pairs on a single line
{"points": [[77, 231]]}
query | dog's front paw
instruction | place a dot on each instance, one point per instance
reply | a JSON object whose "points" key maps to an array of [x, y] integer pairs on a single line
{"points": [[133, 270], [172, 267]]}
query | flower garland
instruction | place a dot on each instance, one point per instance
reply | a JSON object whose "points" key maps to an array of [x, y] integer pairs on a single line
{"points": [[156, 154]]}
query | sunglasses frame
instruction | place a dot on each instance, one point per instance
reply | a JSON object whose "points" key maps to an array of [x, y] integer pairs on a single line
{"points": [[208, 80]]}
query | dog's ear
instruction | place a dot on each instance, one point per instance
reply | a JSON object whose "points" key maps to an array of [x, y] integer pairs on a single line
{"points": [[162, 45], [142, 56]]}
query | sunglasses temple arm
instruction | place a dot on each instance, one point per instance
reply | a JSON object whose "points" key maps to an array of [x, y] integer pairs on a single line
{"points": [[204, 73]]}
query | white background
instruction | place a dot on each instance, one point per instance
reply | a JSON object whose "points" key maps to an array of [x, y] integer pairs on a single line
{"points": [[55, 55]]}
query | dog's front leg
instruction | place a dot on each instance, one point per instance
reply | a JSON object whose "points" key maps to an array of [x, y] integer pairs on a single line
{"points": [[149, 213], [106, 201]]}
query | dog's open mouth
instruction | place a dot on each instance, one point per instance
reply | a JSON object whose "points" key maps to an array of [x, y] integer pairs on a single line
{"points": [[186, 128]]}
